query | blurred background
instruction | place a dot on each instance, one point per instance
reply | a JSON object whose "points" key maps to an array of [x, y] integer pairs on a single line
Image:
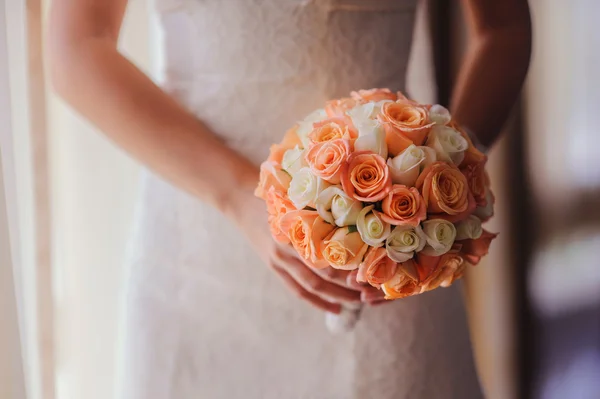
{"points": [[67, 198]]}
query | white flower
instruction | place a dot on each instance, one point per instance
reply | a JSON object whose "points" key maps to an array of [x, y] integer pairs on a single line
{"points": [[440, 236], [406, 166], [449, 144], [373, 141], [373, 230], [305, 188], [404, 241], [293, 160], [337, 208], [439, 115], [487, 211], [371, 136], [306, 125], [470, 228]]}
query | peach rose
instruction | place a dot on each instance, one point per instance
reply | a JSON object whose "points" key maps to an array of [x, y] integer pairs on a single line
{"points": [[344, 249], [449, 268], [271, 175], [377, 268], [405, 123], [332, 129], [446, 192], [366, 177], [474, 250], [478, 181], [403, 205], [326, 159], [472, 154], [306, 231], [338, 108], [278, 204], [290, 140], [404, 282], [374, 95]]}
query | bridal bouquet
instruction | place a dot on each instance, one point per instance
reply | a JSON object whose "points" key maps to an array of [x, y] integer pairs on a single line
{"points": [[382, 184]]}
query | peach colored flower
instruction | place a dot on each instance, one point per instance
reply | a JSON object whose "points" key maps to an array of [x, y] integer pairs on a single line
{"points": [[326, 159], [338, 108], [478, 181], [332, 129], [472, 155], [474, 250], [404, 282], [449, 268], [290, 140], [376, 268], [278, 204], [403, 205], [374, 95], [306, 231], [404, 120], [366, 177], [271, 175], [344, 249], [446, 192]]}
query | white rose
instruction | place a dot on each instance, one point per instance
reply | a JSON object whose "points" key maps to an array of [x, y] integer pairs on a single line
{"points": [[306, 125], [440, 236], [371, 136], [372, 229], [439, 115], [449, 144], [406, 166], [337, 208], [293, 160], [470, 228], [404, 241], [487, 211], [305, 188]]}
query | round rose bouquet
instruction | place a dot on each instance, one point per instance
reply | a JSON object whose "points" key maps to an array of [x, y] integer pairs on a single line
{"points": [[382, 184]]}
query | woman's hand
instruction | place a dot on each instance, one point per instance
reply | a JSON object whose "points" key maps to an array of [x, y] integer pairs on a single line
{"points": [[325, 289]]}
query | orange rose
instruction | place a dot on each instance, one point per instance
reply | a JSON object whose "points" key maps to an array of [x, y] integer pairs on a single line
{"points": [[449, 268], [326, 159], [446, 192], [344, 249], [478, 181], [366, 177], [331, 129], [474, 250], [278, 204], [338, 108], [377, 268], [405, 123], [271, 175], [403, 205], [403, 283], [306, 231], [290, 140], [472, 155], [374, 95]]}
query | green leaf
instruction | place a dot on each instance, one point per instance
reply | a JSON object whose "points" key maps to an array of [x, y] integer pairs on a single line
{"points": [[352, 229]]}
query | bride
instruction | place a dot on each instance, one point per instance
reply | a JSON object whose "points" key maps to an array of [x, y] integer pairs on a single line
{"points": [[216, 309]]}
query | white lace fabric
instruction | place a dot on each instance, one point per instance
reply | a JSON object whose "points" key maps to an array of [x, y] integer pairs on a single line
{"points": [[205, 319]]}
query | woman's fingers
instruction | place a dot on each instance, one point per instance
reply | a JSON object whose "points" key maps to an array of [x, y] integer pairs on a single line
{"points": [[372, 294], [304, 294], [339, 277], [314, 283]]}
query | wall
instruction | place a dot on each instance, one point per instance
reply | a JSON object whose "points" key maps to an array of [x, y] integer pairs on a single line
{"points": [[94, 190]]}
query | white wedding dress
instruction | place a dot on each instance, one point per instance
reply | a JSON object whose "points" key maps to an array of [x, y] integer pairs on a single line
{"points": [[204, 318]]}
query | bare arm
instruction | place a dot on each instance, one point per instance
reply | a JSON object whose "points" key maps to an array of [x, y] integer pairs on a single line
{"points": [[495, 65], [88, 72]]}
